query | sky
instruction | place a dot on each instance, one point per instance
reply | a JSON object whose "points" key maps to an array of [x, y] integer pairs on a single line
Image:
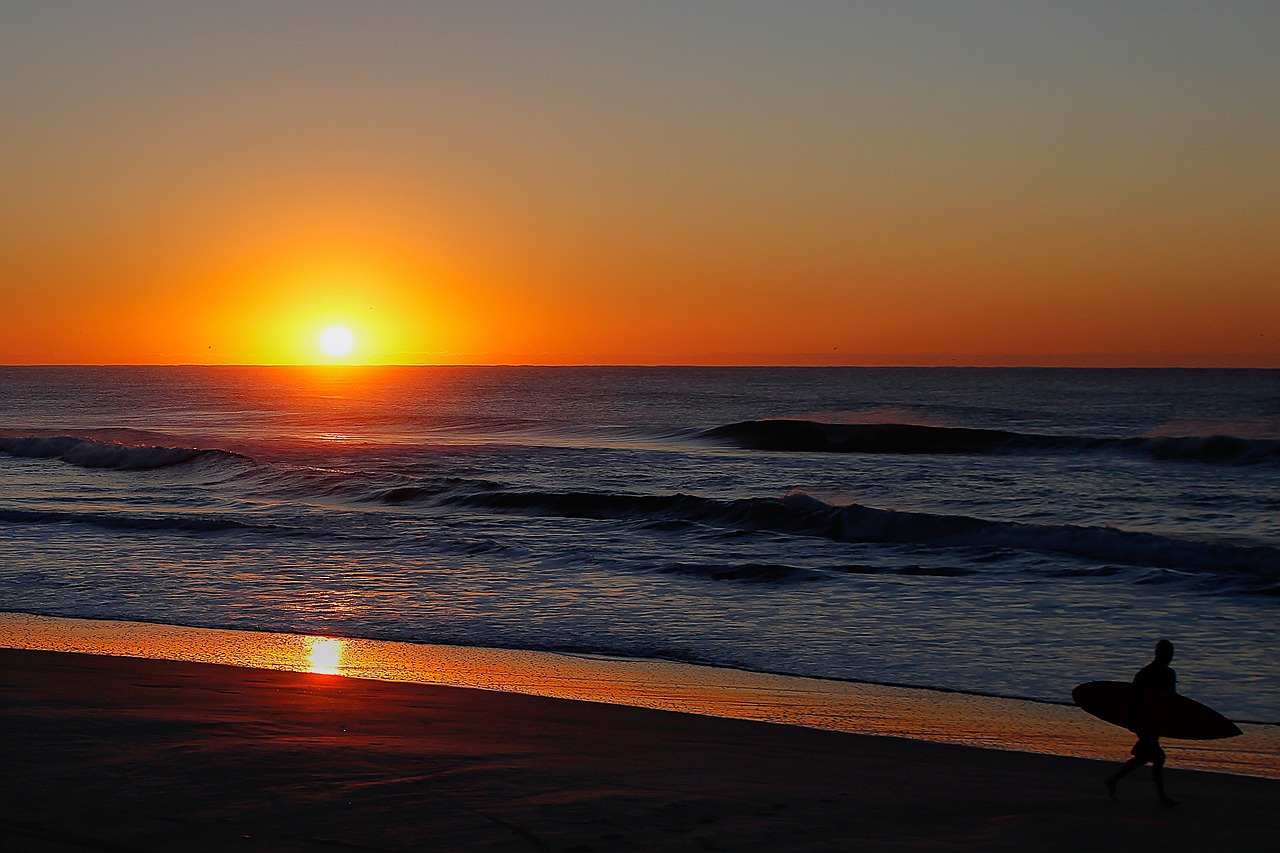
{"points": [[641, 182]]}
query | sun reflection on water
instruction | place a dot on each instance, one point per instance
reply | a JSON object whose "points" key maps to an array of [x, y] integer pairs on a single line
{"points": [[325, 656]]}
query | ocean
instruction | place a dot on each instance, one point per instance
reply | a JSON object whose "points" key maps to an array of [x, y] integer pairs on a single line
{"points": [[1009, 532]]}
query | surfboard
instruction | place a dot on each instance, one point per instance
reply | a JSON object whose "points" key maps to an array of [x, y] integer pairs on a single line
{"points": [[1162, 713]]}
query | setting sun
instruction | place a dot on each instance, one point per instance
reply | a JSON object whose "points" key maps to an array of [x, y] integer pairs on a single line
{"points": [[337, 341]]}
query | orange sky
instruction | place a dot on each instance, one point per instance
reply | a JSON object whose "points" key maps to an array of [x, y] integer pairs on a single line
{"points": [[611, 184]]}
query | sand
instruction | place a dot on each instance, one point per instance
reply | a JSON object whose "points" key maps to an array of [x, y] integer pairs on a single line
{"points": [[108, 753]]}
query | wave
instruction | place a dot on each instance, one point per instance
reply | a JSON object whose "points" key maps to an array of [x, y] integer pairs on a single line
{"points": [[802, 515], [744, 573], [817, 437], [92, 453], [1212, 448], [186, 523], [426, 491], [858, 523], [776, 573]]}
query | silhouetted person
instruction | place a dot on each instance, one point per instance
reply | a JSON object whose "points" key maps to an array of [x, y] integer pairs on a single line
{"points": [[1154, 677]]}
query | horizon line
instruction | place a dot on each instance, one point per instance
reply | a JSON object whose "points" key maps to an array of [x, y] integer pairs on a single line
{"points": [[1065, 364]]}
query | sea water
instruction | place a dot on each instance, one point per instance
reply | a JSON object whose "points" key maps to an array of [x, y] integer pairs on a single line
{"points": [[998, 531]]}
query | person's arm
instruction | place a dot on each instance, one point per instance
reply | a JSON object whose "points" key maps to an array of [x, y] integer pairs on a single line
{"points": [[1135, 701]]}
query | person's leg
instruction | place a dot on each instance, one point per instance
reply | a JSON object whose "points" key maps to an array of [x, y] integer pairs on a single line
{"points": [[1129, 766], [1157, 775]]}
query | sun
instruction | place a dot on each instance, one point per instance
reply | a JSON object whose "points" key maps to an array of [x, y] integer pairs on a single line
{"points": [[337, 341]]}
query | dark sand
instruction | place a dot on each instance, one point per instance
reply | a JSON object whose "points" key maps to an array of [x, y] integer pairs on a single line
{"points": [[103, 753]]}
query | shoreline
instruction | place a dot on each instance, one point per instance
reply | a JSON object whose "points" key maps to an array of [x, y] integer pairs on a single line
{"points": [[125, 753], [860, 708]]}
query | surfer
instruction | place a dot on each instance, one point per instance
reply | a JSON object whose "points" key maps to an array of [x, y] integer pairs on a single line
{"points": [[1155, 676]]}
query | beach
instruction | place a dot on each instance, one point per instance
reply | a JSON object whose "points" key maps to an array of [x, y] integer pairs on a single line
{"points": [[113, 753]]}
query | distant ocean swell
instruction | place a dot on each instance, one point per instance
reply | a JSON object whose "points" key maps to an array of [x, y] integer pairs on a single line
{"points": [[817, 437]]}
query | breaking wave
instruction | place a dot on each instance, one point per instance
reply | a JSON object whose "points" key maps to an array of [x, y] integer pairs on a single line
{"points": [[91, 453], [817, 437], [803, 515]]}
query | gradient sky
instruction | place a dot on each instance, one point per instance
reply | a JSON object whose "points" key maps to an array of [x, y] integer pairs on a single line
{"points": [[608, 182]]}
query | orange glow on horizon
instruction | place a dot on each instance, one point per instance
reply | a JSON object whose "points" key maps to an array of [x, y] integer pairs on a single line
{"points": [[406, 297], [358, 306]]}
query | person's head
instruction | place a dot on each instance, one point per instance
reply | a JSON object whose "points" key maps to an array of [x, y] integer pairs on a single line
{"points": [[1164, 651]]}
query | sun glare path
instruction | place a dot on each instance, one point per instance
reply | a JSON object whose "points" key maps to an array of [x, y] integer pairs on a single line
{"points": [[337, 341], [326, 656]]}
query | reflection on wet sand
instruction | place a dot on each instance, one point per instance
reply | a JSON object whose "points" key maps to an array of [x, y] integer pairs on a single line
{"points": [[843, 706], [325, 656]]}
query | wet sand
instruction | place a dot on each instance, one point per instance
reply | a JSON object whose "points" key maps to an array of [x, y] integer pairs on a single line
{"points": [[109, 753], [857, 707]]}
